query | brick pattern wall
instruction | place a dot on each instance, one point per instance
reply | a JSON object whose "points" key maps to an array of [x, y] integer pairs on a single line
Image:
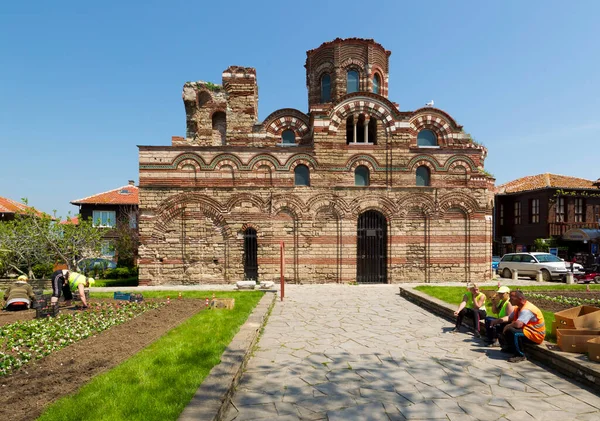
{"points": [[198, 195]]}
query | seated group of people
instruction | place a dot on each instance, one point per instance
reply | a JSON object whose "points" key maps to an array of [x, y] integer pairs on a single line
{"points": [[20, 295], [515, 320]]}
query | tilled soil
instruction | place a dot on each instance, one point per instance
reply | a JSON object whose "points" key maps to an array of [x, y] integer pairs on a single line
{"points": [[556, 307], [25, 393]]}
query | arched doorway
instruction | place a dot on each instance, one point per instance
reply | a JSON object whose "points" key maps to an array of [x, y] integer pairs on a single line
{"points": [[250, 254], [371, 248]]}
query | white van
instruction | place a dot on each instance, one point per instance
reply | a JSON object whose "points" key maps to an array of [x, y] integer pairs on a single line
{"points": [[529, 264]]}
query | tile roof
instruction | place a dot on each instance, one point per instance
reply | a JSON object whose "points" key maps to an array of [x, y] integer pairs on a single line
{"points": [[10, 206], [543, 181], [73, 221], [126, 195]]}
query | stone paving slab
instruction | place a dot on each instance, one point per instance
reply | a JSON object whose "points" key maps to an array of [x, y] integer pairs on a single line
{"points": [[361, 346]]}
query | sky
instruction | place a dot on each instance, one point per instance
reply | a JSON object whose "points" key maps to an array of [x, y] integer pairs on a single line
{"points": [[82, 84]]}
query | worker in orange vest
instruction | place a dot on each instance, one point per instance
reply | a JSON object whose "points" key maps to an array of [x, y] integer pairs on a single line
{"points": [[526, 325]]}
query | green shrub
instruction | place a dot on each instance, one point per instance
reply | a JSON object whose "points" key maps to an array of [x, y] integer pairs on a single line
{"points": [[42, 270], [118, 273]]}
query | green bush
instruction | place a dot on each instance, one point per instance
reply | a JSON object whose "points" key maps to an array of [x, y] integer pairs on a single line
{"points": [[118, 273], [42, 270]]}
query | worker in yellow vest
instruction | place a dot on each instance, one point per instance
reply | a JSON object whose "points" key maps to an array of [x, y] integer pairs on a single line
{"points": [[472, 305], [78, 282], [501, 308]]}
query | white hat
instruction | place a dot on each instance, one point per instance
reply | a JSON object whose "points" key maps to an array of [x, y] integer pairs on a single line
{"points": [[503, 289]]}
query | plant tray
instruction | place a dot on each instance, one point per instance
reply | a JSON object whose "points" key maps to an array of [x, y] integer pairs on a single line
{"points": [[227, 303], [122, 296], [136, 298], [51, 311]]}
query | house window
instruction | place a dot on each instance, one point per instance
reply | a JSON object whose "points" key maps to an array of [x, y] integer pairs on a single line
{"points": [[501, 214], [132, 220], [579, 210], [104, 218], [351, 81], [361, 176], [301, 176], [426, 138], [423, 176], [326, 88], [288, 137], [107, 250], [517, 213], [376, 83], [534, 211], [560, 210]]}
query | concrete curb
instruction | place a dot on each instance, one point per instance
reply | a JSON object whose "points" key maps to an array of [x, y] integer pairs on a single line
{"points": [[575, 366], [212, 397]]}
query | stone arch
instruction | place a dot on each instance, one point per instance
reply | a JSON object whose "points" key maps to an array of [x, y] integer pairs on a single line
{"points": [[303, 159], [327, 200], [423, 202], [373, 202], [288, 119], [219, 127], [245, 197], [226, 160], [287, 201], [437, 123], [264, 160], [175, 205], [203, 98], [361, 105], [188, 158], [461, 160], [426, 160], [457, 200]]}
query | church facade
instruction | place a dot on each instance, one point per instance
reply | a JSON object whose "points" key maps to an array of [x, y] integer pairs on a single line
{"points": [[355, 189]]}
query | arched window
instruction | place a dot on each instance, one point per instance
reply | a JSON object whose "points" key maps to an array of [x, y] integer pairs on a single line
{"points": [[426, 138], [351, 81], [376, 83], [301, 176], [361, 176], [423, 176], [288, 137], [373, 130], [219, 126], [326, 88], [356, 133]]}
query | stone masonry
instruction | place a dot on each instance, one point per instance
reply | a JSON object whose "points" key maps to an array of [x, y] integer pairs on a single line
{"points": [[348, 187]]}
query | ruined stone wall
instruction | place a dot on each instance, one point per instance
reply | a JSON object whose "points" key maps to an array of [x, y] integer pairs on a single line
{"points": [[230, 173]]}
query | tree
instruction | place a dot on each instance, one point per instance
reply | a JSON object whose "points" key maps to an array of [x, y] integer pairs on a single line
{"points": [[37, 238], [127, 239]]}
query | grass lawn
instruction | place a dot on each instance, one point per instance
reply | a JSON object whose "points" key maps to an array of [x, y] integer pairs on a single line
{"points": [[454, 295], [158, 382]]}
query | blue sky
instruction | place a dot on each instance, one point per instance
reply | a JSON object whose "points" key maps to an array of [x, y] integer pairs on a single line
{"points": [[81, 85]]}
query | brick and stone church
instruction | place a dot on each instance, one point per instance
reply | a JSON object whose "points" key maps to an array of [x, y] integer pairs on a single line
{"points": [[357, 189]]}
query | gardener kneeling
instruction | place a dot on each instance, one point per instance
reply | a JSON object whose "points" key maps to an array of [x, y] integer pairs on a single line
{"points": [[78, 282], [19, 295]]}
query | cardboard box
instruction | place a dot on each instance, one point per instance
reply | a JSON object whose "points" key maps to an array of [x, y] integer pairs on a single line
{"points": [[594, 349], [582, 317], [575, 340]]}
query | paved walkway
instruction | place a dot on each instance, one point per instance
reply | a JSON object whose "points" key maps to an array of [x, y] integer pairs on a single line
{"points": [[340, 352]]}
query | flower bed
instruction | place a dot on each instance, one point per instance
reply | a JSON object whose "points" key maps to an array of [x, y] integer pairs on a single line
{"points": [[22, 342], [554, 301]]}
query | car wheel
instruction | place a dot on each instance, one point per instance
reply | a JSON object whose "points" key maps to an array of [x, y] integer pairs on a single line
{"points": [[546, 275], [597, 280], [506, 273]]}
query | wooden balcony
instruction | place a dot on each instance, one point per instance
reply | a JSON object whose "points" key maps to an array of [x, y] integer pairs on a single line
{"points": [[559, 228]]}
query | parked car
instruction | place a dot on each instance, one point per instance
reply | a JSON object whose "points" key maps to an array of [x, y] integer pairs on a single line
{"points": [[495, 261], [529, 264], [97, 263]]}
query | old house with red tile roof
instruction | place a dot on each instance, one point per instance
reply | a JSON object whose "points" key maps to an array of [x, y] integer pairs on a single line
{"points": [[9, 208], [547, 205], [109, 207]]}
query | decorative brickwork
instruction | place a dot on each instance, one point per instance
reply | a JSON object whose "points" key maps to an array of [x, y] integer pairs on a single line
{"points": [[343, 196]]}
